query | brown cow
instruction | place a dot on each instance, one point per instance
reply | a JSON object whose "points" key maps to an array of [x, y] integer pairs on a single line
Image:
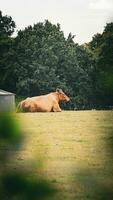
{"points": [[44, 103]]}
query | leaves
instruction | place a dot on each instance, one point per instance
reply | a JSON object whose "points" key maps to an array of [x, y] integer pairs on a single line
{"points": [[102, 48]]}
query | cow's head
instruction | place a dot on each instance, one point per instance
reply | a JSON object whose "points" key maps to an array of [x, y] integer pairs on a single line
{"points": [[62, 96]]}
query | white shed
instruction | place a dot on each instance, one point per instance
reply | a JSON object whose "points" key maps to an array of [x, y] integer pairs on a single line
{"points": [[7, 101]]}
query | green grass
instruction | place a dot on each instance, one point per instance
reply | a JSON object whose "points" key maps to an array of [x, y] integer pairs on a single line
{"points": [[73, 149]]}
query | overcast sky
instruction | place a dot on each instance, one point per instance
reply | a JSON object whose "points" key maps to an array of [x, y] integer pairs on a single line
{"points": [[82, 18]]}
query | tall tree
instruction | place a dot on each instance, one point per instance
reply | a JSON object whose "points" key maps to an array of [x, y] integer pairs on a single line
{"points": [[102, 47], [7, 26], [36, 58]]}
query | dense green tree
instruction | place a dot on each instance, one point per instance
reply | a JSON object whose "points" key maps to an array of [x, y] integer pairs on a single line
{"points": [[7, 26], [102, 47], [37, 59]]}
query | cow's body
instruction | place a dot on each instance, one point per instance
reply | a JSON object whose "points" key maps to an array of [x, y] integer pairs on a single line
{"points": [[44, 103]]}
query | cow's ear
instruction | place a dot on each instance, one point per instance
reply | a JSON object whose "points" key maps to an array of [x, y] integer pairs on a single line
{"points": [[59, 90]]}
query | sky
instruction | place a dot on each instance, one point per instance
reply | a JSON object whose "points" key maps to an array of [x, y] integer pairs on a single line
{"points": [[83, 18]]}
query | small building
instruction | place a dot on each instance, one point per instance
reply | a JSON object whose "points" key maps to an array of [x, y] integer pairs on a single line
{"points": [[7, 101]]}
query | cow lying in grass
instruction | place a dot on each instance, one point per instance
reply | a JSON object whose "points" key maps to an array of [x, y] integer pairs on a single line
{"points": [[44, 103]]}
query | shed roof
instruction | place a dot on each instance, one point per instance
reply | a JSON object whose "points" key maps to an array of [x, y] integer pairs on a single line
{"points": [[3, 92]]}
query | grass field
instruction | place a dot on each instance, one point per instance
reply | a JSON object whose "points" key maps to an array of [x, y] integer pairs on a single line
{"points": [[73, 149]]}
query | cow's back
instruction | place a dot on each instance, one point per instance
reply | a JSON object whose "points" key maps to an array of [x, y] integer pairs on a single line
{"points": [[44, 103]]}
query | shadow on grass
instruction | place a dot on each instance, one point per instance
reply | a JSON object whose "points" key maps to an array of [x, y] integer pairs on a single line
{"points": [[96, 182], [22, 184], [92, 186]]}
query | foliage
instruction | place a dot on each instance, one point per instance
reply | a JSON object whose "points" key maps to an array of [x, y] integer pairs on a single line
{"points": [[7, 26], [21, 184], [102, 47]]}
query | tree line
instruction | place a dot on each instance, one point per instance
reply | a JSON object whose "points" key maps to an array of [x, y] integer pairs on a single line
{"points": [[40, 59]]}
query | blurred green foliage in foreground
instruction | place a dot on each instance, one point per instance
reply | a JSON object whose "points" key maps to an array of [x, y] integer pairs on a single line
{"points": [[19, 185]]}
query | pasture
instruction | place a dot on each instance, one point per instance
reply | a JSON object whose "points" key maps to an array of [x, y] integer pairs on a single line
{"points": [[73, 149]]}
